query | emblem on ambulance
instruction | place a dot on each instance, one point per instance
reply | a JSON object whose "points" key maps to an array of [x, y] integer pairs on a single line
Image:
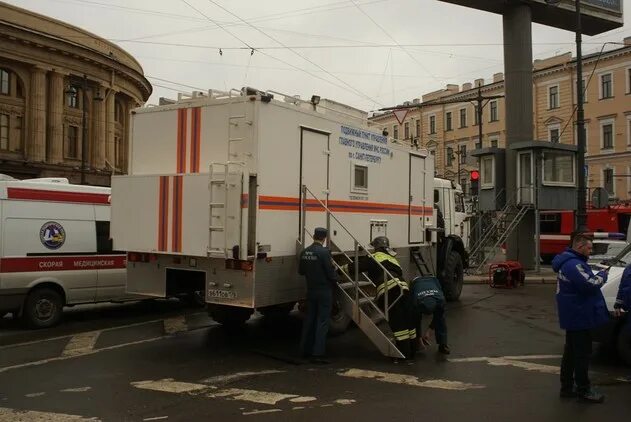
{"points": [[52, 235]]}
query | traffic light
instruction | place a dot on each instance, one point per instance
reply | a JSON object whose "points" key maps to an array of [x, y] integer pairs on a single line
{"points": [[474, 177]]}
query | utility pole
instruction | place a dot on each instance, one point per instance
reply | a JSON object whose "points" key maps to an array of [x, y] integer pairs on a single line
{"points": [[84, 136], [581, 214]]}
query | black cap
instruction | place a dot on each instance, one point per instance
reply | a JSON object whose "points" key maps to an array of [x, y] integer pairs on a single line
{"points": [[320, 233]]}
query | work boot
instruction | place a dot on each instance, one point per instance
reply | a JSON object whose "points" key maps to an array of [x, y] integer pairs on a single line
{"points": [[444, 349], [591, 397]]}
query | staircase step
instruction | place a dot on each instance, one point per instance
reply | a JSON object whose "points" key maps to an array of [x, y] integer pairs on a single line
{"points": [[350, 284]]}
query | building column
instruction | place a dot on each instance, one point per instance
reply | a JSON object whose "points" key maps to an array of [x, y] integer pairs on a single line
{"points": [[517, 22], [55, 118], [110, 105], [99, 118], [36, 139]]}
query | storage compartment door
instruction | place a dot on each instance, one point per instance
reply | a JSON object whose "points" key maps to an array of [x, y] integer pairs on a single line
{"points": [[418, 199], [314, 170]]}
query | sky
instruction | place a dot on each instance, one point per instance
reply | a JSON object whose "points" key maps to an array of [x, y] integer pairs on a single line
{"points": [[364, 53]]}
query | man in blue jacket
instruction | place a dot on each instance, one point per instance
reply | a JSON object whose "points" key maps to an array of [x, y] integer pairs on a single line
{"points": [[581, 307], [623, 298]]}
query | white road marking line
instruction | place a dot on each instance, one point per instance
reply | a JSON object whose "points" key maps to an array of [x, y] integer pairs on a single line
{"points": [[410, 380], [522, 357], [168, 385], [157, 418], [76, 390], [224, 379], [103, 349], [81, 344], [15, 415], [528, 366], [344, 402], [259, 412], [303, 399], [254, 396], [135, 324], [31, 395], [175, 325]]}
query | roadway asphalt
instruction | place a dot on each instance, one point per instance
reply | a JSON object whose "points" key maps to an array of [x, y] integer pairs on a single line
{"points": [[175, 364]]}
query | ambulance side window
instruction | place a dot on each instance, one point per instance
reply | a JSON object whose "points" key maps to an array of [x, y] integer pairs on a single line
{"points": [[103, 240]]}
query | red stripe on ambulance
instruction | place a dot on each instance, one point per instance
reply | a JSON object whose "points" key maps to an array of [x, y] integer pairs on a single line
{"points": [[62, 263], [58, 196]]}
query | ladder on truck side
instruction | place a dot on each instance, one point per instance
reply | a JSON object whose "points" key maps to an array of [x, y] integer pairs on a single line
{"points": [[505, 222], [227, 230], [355, 289]]}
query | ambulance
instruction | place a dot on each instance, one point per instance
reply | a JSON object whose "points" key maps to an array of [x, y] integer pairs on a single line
{"points": [[55, 249], [225, 189]]}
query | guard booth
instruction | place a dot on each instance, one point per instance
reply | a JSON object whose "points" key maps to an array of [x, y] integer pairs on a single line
{"points": [[546, 175], [492, 189]]}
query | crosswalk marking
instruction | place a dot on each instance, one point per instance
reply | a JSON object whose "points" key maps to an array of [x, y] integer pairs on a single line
{"points": [[175, 325], [168, 385], [81, 344], [410, 380], [253, 396], [15, 415]]}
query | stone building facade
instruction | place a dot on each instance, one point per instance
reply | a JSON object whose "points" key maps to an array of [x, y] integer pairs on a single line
{"points": [[450, 131], [52, 75]]}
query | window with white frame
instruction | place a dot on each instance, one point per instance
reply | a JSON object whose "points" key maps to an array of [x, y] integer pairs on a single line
{"points": [[418, 128], [406, 130], [432, 125], [607, 133], [558, 168], [360, 177], [475, 115], [553, 96], [478, 144], [395, 132], [608, 181], [463, 117], [487, 172], [448, 123], [494, 113], [606, 85], [554, 133], [494, 140]]}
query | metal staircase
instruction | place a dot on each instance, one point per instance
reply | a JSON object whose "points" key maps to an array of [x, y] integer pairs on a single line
{"points": [[356, 290], [504, 223]]}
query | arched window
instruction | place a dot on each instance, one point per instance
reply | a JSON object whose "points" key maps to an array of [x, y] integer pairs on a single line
{"points": [[72, 97]]}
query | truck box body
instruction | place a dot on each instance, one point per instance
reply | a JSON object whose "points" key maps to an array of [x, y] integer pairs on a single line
{"points": [[186, 216]]}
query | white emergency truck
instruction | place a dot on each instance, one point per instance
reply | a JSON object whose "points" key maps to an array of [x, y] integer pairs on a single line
{"points": [[225, 188], [55, 249]]}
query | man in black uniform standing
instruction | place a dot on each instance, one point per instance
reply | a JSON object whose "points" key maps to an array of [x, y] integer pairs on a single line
{"points": [[316, 264]]}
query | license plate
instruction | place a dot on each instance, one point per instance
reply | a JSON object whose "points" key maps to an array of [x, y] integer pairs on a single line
{"points": [[222, 294]]}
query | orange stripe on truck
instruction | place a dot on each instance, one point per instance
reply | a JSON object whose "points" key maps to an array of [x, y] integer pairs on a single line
{"points": [[182, 122], [163, 213], [196, 127], [176, 227]]}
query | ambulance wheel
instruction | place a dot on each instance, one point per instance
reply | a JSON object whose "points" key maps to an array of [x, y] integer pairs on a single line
{"points": [[340, 320], [624, 343], [229, 316], [43, 308], [453, 276]]}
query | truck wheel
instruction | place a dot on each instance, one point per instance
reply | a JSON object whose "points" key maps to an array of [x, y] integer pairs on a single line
{"points": [[453, 276], [340, 320], [43, 308], [624, 343], [230, 316]]}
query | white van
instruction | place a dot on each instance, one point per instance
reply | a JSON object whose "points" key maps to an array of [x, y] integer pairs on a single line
{"points": [[55, 249]]}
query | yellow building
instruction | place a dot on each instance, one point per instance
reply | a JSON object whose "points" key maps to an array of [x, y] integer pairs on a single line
{"points": [[44, 66], [450, 131]]}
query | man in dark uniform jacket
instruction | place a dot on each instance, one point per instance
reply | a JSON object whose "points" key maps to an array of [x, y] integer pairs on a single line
{"points": [[428, 298], [316, 264]]}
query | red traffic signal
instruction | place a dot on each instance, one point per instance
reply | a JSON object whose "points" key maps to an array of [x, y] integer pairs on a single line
{"points": [[474, 175]]}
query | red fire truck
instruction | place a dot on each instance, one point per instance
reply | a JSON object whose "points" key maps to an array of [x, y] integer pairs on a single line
{"points": [[556, 226]]}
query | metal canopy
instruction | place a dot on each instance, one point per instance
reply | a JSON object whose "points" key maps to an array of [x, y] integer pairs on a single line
{"points": [[543, 145], [598, 15]]}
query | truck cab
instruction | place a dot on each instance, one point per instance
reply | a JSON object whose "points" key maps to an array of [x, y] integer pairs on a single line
{"points": [[449, 198]]}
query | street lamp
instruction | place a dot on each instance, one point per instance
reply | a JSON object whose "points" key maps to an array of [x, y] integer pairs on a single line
{"points": [[581, 213]]}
